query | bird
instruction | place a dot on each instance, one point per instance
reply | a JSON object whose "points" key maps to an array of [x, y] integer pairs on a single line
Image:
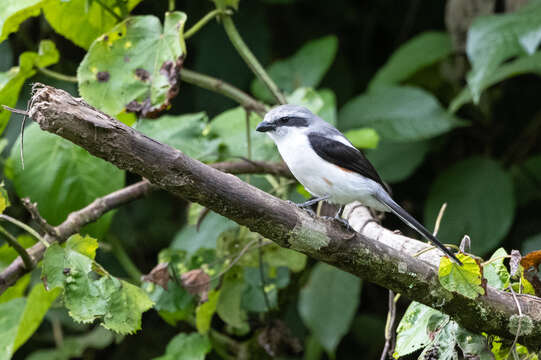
{"points": [[330, 168]]}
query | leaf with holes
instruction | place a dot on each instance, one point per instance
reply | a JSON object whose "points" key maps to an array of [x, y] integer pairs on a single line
{"points": [[465, 279], [134, 67]]}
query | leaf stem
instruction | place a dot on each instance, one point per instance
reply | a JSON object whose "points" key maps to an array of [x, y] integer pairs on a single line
{"points": [[250, 59], [221, 87], [171, 5], [109, 10], [202, 22], [12, 241], [57, 75], [124, 260], [25, 227]]}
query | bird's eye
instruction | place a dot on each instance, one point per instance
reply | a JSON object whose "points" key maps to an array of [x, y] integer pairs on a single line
{"points": [[284, 120]]}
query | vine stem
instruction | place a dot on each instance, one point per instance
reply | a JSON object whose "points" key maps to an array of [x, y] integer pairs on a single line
{"points": [[12, 241], [124, 260], [202, 22], [57, 75], [171, 5], [25, 227], [249, 58]]}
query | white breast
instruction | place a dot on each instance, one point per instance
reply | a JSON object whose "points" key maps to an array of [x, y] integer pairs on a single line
{"points": [[319, 176]]}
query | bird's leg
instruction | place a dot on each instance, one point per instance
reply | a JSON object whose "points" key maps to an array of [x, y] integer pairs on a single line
{"points": [[311, 202], [344, 222]]}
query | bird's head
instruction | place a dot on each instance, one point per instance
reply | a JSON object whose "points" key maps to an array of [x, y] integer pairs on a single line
{"points": [[286, 119]]}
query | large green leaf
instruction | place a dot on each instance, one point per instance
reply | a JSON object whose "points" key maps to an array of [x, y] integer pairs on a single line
{"points": [[74, 346], [13, 13], [480, 203], [305, 68], [396, 161], [205, 312], [229, 305], [135, 65], [89, 292], [93, 17], [10, 313], [399, 113], [253, 298], [496, 38], [12, 80], [187, 133], [421, 51], [464, 279], [327, 304], [412, 331], [522, 65], [62, 177], [495, 272], [191, 239], [187, 347]]}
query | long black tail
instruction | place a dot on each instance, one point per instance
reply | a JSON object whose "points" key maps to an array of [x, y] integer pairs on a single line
{"points": [[386, 199]]}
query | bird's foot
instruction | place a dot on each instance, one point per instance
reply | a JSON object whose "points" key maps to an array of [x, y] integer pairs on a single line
{"points": [[345, 224], [303, 206]]}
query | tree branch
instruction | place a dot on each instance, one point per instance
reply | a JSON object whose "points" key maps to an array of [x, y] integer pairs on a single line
{"points": [[374, 253]]}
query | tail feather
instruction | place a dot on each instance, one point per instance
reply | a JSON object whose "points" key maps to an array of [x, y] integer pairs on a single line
{"points": [[414, 224]]}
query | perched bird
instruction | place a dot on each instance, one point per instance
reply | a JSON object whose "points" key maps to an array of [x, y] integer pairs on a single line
{"points": [[330, 167]]}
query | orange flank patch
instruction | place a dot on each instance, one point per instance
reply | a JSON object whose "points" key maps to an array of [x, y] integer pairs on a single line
{"points": [[329, 182]]}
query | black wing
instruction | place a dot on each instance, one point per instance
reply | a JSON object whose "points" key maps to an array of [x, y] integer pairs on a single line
{"points": [[344, 156]]}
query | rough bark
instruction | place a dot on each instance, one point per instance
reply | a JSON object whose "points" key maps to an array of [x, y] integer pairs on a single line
{"points": [[374, 254]]}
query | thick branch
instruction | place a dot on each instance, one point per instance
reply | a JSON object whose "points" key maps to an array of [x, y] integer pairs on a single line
{"points": [[366, 254]]}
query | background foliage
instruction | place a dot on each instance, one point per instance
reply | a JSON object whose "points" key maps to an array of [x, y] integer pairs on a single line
{"points": [[445, 100]]}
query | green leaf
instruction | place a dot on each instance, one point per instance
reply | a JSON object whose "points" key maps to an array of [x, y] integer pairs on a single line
{"points": [[412, 331], [75, 346], [473, 345], [187, 347], [423, 50], [484, 211], [399, 113], [62, 177], [17, 290], [364, 138], [496, 38], [384, 158], [91, 21], [328, 111], [86, 245], [13, 13], [327, 304], [444, 343], [230, 127], [8, 254], [12, 80], [495, 272], [526, 178], [305, 68], [465, 279], [89, 296], [187, 133], [38, 303], [277, 256], [135, 65], [10, 313], [229, 305], [522, 65], [253, 298], [190, 239], [4, 198], [173, 300], [205, 312]]}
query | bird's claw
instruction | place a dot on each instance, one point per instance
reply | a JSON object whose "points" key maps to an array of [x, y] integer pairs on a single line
{"points": [[345, 224], [302, 206]]}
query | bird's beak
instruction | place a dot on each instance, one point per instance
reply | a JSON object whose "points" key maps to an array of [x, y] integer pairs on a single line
{"points": [[265, 126]]}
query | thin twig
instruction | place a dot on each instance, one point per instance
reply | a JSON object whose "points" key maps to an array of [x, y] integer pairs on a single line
{"points": [[262, 275], [513, 346], [12, 241], [57, 75], [438, 219], [36, 216], [249, 58], [25, 227], [203, 21], [389, 326], [109, 10], [16, 111]]}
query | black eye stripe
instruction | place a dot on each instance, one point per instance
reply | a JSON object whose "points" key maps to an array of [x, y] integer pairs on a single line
{"points": [[292, 121]]}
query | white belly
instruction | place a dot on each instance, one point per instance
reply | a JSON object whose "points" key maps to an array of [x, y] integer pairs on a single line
{"points": [[321, 178]]}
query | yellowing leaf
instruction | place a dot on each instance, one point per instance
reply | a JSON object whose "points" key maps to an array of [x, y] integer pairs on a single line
{"points": [[85, 245], [205, 311], [4, 199], [465, 279]]}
